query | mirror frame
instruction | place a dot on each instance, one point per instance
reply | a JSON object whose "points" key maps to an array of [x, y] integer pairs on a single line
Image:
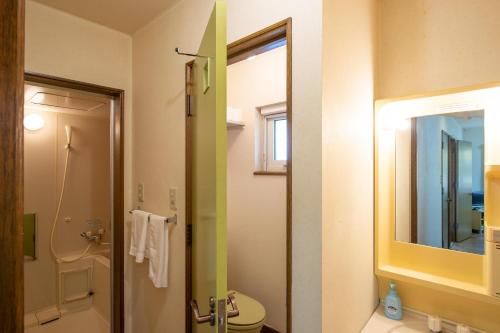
{"points": [[446, 270]]}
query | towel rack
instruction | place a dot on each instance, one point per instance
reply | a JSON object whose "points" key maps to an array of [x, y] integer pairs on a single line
{"points": [[172, 219]]}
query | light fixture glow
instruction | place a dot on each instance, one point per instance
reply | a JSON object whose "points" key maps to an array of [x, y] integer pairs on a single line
{"points": [[251, 58], [394, 123], [38, 98], [33, 122]]}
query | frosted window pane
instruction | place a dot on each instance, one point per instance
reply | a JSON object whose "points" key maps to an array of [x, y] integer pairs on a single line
{"points": [[280, 140]]}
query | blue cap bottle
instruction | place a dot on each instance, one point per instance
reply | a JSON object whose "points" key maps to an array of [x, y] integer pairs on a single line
{"points": [[392, 304]]}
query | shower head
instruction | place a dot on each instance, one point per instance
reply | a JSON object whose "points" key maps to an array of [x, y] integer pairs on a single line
{"points": [[68, 135]]}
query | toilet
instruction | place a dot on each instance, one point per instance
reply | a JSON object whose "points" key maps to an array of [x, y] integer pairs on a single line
{"points": [[252, 315]]}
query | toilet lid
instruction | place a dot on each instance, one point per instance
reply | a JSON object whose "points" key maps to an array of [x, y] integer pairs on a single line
{"points": [[251, 311]]}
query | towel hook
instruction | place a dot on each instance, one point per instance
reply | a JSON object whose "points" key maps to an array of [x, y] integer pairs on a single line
{"points": [[179, 52]]}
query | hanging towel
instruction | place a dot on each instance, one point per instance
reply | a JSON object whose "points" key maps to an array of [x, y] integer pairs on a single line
{"points": [[158, 251], [139, 234]]}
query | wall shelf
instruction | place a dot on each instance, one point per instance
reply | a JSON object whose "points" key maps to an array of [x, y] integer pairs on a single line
{"points": [[235, 124], [453, 286]]}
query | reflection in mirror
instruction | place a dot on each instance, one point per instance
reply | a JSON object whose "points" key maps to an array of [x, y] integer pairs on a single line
{"points": [[440, 181]]}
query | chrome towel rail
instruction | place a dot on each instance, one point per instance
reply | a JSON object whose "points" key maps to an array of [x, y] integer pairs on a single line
{"points": [[172, 219]]}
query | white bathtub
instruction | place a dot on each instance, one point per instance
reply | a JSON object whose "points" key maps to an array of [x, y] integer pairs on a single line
{"points": [[84, 295], [101, 286], [84, 284]]}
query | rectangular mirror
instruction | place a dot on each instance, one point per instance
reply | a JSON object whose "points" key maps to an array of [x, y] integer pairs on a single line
{"points": [[440, 181]]}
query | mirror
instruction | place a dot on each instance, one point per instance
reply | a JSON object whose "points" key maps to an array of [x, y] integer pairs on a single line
{"points": [[440, 181]]}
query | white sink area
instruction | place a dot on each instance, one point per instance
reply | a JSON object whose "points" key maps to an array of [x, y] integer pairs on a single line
{"points": [[411, 323]]}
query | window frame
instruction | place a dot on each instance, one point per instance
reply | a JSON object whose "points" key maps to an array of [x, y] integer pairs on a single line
{"points": [[269, 148]]}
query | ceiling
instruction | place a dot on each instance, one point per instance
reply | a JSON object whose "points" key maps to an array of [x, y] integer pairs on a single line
{"points": [[123, 15]]}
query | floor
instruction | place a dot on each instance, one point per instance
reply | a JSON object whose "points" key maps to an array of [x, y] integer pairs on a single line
{"points": [[473, 244], [80, 322]]}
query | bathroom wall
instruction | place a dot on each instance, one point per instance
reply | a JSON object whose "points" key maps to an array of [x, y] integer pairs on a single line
{"points": [[475, 135], [87, 194], [349, 285], [159, 146], [256, 204], [428, 45], [67, 46]]}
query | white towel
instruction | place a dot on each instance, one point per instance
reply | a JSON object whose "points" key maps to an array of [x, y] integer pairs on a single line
{"points": [[139, 234], [158, 251]]}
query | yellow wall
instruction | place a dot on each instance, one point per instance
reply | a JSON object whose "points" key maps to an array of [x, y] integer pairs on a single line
{"points": [[426, 46], [349, 285]]}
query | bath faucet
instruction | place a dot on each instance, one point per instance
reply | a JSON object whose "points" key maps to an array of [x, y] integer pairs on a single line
{"points": [[93, 237]]}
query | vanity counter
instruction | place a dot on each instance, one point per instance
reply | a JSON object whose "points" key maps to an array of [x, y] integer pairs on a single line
{"points": [[411, 323]]}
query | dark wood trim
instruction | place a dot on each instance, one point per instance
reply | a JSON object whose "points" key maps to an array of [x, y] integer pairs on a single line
{"points": [[189, 216], [452, 189], [289, 218], [117, 264], [267, 329], [71, 84], [11, 166], [257, 43], [413, 184], [269, 173], [252, 43]]}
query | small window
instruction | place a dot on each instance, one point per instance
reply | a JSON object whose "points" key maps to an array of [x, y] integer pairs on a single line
{"points": [[276, 142], [272, 135]]}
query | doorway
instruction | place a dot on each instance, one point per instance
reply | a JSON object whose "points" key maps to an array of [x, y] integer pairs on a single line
{"points": [[280, 119], [20, 231], [448, 181]]}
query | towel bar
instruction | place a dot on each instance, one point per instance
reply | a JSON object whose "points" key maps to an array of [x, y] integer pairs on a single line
{"points": [[172, 219]]}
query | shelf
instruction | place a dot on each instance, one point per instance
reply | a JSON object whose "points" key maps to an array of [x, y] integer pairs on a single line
{"points": [[235, 124], [453, 286], [492, 171]]}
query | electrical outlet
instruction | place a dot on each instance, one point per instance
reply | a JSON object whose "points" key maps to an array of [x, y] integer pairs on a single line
{"points": [[172, 198], [140, 192]]}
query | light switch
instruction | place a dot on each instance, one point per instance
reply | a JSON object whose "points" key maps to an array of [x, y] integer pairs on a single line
{"points": [[172, 194]]}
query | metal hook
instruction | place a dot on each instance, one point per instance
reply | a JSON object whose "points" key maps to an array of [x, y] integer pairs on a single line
{"points": [[179, 52]]}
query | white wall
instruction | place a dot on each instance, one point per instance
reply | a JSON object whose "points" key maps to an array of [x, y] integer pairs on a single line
{"points": [[256, 211], [349, 285], [430, 206], [63, 45], [244, 18], [159, 145], [475, 135], [427, 45], [159, 159]]}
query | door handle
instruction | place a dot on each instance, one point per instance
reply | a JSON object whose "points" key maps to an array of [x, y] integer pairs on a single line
{"points": [[209, 318], [234, 312]]}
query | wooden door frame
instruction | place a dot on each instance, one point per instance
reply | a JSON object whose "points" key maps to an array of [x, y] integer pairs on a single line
{"points": [[241, 49], [452, 189], [445, 218], [414, 183], [11, 165]]}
